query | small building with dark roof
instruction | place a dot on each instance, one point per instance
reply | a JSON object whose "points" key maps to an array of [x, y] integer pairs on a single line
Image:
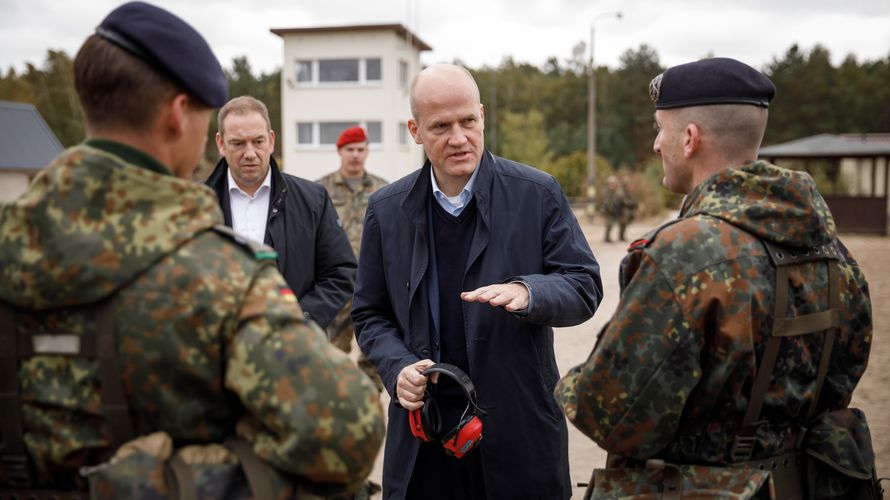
{"points": [[852, 172], [27, 145]]}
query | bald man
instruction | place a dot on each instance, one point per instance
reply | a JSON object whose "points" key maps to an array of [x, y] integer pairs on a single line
{"points": [[470, 261]]}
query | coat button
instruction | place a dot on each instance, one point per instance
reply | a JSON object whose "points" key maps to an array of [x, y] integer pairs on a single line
{"points": [[425, 351], [408, 284]]}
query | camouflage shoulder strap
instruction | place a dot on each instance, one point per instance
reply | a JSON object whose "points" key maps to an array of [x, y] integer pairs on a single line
{"points": [[784, 326], [259, 251], [15, 346], [647, 239]]}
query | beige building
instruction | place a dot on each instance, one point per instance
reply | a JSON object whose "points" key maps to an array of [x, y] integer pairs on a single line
{"points": [[337, 77]]}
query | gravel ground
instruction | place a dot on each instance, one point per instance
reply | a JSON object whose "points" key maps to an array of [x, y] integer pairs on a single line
{"points": [[574, 344]]}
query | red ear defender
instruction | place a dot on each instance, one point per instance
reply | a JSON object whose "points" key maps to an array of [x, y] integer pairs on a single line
{"points": [[465, 438], [426, 422], [416, 423]]}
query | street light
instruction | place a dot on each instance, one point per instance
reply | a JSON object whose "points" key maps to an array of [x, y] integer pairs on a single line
{"points": [[590, 189]]}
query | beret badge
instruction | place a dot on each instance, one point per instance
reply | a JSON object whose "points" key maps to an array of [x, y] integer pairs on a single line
{"points": [[655, 87]]}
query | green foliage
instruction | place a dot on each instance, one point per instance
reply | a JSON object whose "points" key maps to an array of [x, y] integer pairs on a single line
{"points": [[624, 127], [524, 138], [570, 170], [50, 89], [538, 115], [814, 97]]}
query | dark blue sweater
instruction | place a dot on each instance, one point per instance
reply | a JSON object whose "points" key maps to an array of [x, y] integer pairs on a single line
{"points": [[453, 236]]}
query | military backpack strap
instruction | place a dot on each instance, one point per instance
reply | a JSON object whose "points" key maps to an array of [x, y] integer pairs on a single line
{"points": [[783, 326], [114, 402], [100, 344], [183, 479], [13, 455], [258, 474]]}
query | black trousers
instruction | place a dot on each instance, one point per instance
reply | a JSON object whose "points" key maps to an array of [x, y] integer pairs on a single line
{"points": [[438, 476]]}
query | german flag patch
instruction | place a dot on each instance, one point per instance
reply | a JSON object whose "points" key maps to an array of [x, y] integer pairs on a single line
{"points": [[287, 294], [640, 243]]}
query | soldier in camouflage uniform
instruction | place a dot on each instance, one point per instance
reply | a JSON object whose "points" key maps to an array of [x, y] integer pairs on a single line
{"points": [[207, 333], [672, 373], [349, 188], [617, 208]]}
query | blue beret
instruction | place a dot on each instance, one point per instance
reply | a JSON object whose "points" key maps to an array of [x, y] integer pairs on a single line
{"points": [[170, 45], [719, 80]]}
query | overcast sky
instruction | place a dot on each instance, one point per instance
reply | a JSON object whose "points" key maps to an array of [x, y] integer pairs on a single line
{"points": [[485, 31]]}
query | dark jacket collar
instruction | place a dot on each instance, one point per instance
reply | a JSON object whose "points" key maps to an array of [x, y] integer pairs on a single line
{"points": [[219, 182], [414, 203]]}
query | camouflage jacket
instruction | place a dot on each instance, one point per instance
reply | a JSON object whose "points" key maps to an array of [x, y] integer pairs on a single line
{"points": [[207, 332], [351, 204], [671, 374], [616, 204]]}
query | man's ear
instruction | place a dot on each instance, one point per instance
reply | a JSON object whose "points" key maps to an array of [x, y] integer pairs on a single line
{"points": [[220, 145], [691, 140], [482, 115], [412, 127], [271, 142], [175, 114]]}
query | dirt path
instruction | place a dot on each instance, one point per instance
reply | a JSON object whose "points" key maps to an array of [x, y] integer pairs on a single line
{"points": [[573, 345]]}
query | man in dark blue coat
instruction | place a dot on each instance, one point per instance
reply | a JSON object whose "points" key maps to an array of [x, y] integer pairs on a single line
{"points": [[471, 261]]}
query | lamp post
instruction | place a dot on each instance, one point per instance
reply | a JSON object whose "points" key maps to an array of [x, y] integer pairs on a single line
{"points": [[590, 189]]}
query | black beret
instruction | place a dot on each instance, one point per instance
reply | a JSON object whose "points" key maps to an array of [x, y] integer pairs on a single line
{"points": [[719, 80], [170, 45]]}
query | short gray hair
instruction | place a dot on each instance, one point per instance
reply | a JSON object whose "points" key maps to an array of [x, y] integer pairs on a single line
{"points": [[735, 128], [241, 106]]}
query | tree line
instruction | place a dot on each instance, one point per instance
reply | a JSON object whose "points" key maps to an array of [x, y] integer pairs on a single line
{"points": [[538, 114]]}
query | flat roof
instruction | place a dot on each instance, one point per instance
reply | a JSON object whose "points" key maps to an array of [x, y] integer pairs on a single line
{"points": [[26, 141], [831, 146], [400, 30]]}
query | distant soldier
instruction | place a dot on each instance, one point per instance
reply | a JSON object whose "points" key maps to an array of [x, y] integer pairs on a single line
{"points": [[629, 204], [743, 325], [349, 188], [617, 207], [127, 308]]}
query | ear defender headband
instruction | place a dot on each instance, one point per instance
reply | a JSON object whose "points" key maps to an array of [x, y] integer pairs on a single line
{"points": [[426, 421]]}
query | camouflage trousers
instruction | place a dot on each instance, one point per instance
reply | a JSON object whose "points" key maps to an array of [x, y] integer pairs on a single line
{"points": [[613, 221], [341, 333]]}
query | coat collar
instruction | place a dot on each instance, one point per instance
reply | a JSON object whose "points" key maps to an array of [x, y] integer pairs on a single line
{"points": [[414, 203], [218, 181]]}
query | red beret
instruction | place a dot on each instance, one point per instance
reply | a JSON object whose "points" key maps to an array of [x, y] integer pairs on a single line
{"points": [[352, 134]]}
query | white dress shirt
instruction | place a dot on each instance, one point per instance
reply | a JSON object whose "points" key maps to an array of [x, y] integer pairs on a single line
{"points": [[249, 213], [454, 205]]}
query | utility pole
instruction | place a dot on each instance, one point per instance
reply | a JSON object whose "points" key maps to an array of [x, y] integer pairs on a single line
{"points": [[589, 185]]}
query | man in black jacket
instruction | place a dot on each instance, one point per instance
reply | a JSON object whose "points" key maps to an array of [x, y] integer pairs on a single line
{"points": [[293, 215]]}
